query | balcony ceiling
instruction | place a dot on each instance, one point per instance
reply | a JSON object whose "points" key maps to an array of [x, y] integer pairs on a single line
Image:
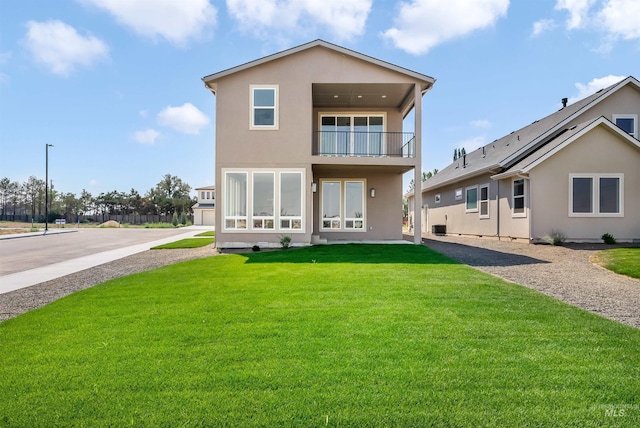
{"points": [[354, 95]]}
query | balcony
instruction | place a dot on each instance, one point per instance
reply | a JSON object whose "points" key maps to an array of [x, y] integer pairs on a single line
{"points": [[364, 144]]}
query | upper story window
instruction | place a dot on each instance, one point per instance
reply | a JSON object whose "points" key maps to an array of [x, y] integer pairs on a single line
{"points": [[354, 135], [628, 123], [264, 107]]}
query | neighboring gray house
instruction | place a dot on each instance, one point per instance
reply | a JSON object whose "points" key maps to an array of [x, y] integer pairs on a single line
{"points": [[576, 172], [310, 144]]}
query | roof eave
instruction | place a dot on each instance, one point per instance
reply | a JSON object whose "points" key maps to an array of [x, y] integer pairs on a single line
{"points": [[484, 170]]}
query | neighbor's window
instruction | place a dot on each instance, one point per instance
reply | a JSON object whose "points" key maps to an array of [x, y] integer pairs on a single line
{"points": [[235, 214], [472, 199], [437, 198], [484, 201], [264, 107], [291, 200], [596, 195], [518, 196], [628, 123], [201, 195], [458, 194], [263, 200]]}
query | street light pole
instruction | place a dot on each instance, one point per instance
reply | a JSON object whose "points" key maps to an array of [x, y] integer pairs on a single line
{"points": [[46, 189]]}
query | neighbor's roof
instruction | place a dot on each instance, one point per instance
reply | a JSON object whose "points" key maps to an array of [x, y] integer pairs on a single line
{"points": [[206, 188], [500, 155], [428, 80], [204, 206]]}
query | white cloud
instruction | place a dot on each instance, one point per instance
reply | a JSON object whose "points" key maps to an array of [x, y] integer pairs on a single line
{"points": [[584, 90], [578, 11], [344, 19], [471, 144], [93, 182], [481, 123], [143, 113], [148, 136], [424, 24], [174, 20], [59, 46], [185, 118], [620, 18], [542, 26]]}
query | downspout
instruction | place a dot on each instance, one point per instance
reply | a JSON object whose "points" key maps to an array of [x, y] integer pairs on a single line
{"points": [[498, 211]]}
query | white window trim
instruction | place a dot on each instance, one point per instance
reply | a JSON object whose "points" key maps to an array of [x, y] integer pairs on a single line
{"points": [[263, 219], [480, 200], [343, 194], [249, 218], [595, 195], [523, 196], [628, 116], [472, 210], [236, 218], [352, 115], [290, 219], [276, 114], [458, 194]]}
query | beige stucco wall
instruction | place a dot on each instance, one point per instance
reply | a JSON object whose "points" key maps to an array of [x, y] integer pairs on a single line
{"points": [[625, 101], [599, 151], [383, 212], [290, 146]]}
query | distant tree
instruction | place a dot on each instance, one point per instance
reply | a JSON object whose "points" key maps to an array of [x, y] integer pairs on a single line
{"points": [[428, 175], [464, 152], [412, 185], [32, 189], [171, 195], [86, 203], [5, 184], [435, 171], [455, 155]]}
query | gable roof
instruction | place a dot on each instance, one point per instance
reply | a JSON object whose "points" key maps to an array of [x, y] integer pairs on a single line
{"points": [[562, 140], [502, 154], [428, 81]]}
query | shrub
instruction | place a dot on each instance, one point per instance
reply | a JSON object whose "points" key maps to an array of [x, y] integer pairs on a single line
{"points": [[174, 219], [183, 218], [255, 248], [285, 241], [557, 237], [608, 239]]}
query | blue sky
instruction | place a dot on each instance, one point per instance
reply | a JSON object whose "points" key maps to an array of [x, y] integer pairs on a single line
{"points": [[115, 85]]}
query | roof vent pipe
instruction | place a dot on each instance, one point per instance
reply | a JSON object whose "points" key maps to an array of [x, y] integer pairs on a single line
{"points": [[564, 102], [464, 161]]}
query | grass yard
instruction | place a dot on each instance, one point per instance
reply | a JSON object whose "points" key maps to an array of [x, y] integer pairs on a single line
{"points": [[345, 335], [625, 261], [185, 243], [207, 233]]}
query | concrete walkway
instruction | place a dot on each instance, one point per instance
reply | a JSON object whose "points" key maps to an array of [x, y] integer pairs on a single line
{"points": [[31, 277]]}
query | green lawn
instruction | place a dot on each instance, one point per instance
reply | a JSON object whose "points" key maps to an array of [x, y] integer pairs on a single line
{"points": [[625, 261], [349, 335], [208, 233], [185, 243]]}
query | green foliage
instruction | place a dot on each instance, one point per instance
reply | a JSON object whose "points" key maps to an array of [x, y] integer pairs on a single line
{"points": [[607, 238], [285, 241], [183, 218], [185, 243], [208, 233], [556, 237], [158, 226], [174, 220], [368, 335], [625, 261]]}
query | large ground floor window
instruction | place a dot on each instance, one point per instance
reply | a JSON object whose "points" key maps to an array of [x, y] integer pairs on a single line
{"points": [[343, 205], [264, 200], [596, 195]]}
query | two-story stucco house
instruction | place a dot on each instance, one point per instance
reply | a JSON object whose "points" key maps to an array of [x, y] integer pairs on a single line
{"points": [[310, 144], [574, 173], [204, 210]]}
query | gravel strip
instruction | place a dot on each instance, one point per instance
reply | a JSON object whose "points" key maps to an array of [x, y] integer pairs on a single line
{"points": [[20, 301], [564, 273]]}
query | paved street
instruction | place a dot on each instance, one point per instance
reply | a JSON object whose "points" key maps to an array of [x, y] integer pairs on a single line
{"points": [[26, 253]]}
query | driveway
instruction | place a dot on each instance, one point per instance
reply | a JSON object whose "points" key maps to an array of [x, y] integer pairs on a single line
{"points": [[564, 273], [26, 253]]}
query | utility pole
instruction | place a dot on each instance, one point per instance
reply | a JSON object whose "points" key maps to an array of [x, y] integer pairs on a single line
{"points": [[46, 189]]}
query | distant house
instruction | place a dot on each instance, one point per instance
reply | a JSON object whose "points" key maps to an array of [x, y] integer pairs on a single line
{"points": [[204, 211], [575, 172], [310, 144]]}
